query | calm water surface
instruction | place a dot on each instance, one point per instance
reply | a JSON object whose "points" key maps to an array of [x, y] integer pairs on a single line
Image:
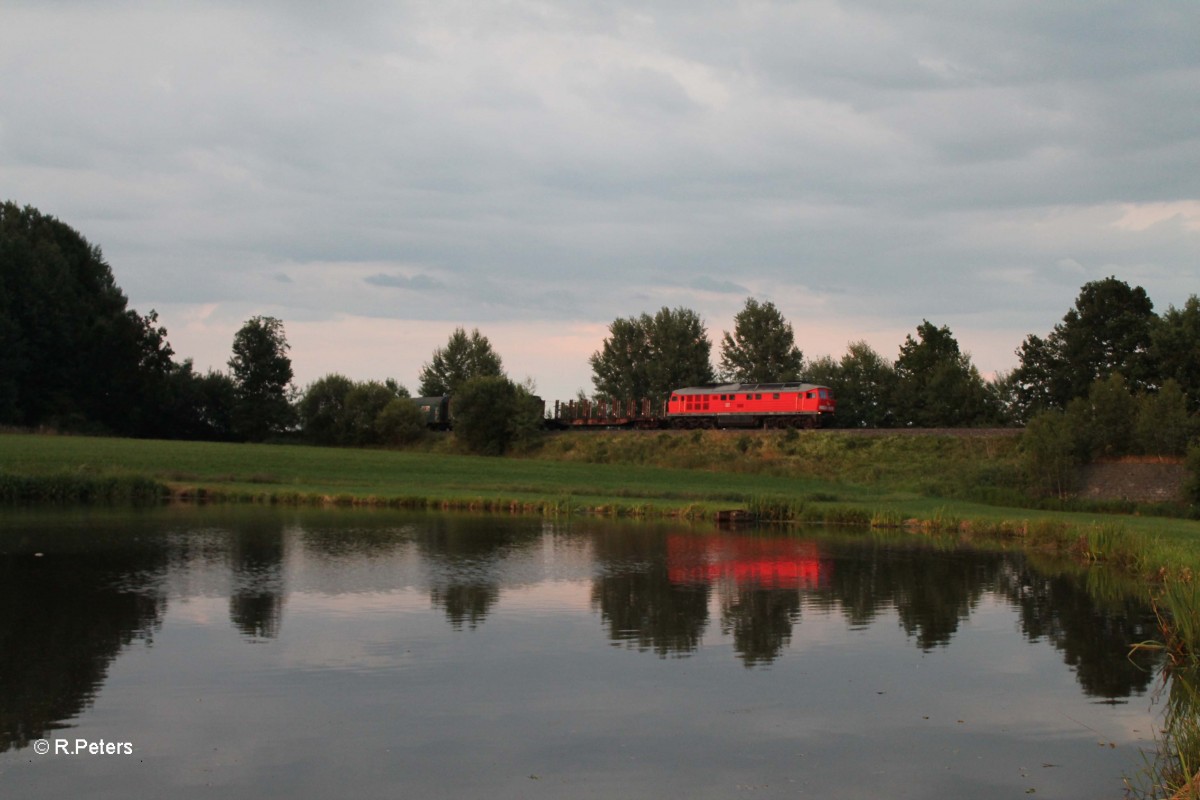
{"points": [[262, 653]]}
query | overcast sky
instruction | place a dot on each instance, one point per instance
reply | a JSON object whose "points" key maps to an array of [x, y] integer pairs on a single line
{"points": [[378, 173]]}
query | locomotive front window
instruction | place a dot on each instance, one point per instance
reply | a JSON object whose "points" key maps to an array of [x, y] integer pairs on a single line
{"points": [[824, 394]]}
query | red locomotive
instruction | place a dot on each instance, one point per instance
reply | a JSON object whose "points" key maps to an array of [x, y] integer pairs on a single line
{"points": [[751, 405], [730, 405]]}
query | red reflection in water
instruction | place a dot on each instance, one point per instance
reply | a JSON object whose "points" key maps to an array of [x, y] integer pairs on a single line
{"points": [[776, 563]]}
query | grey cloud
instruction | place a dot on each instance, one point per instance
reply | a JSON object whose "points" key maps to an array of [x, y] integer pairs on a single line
{"points": [[416, 283], [707, 284], [548, 157]]}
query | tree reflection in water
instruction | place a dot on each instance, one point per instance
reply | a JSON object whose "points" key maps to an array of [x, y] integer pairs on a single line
{"points": [[65, 614], [639, 602], [465, 562], [256, 596]]}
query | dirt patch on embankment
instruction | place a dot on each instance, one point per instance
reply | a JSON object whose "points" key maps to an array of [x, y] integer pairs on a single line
{"points": [[1140, 480]]}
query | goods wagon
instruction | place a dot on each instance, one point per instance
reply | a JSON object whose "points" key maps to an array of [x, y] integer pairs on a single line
{"points": [[436, 411]]}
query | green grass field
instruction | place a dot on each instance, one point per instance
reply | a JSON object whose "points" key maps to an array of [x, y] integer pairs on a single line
{"points": [[885, 481]]}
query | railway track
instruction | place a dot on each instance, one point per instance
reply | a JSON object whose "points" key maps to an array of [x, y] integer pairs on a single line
{"points": [[959, 433]]}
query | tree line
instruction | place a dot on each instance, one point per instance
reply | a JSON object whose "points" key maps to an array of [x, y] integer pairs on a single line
{"points": [[74, 356]]}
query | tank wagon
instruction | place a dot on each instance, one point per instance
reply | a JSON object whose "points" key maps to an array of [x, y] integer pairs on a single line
{"points": [[751, 405]]}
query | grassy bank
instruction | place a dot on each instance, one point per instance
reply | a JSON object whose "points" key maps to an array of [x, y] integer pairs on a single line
{"points": [[929, 483]]}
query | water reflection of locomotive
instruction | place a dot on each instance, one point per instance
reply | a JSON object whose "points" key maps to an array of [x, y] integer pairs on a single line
{"points": [[726, 405]]}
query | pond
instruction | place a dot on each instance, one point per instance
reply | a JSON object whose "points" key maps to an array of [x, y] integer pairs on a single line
{"points": [[249, 652]]}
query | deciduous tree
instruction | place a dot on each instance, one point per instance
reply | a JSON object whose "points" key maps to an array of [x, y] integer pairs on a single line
{"points": [[262, 375], [937, 385], [492, 413], [1108, 330], [648, 357], [762, 348], [71, 353], [868, 386], [463, 358], [1163, 426], [1175, 349], [1049, 454], [322, 409]]}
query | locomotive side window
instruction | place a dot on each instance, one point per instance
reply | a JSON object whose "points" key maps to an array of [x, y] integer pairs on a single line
{"points": [[758, 396], [775, 396], [808, 396]]}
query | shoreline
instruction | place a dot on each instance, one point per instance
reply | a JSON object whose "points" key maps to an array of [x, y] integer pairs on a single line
{"points": [[877, 483]]}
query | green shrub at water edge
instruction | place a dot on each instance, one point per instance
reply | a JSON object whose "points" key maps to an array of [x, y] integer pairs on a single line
{"points": [[65, 487]]}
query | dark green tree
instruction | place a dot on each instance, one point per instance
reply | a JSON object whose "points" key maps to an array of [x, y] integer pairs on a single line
{"points": [[621, 368], [463, 358], [200, 407], [1175, 349], [1003, 399], [262, 375], [492, 414], [937, 386], [1163, 426], [1108, 330], [648, 357], [363, 405], [680, 351], [400, 422], [1191, 487], [868, 385], [762, 348], [1103, 420], [322, 409], [71, 353], [1049, 454]]}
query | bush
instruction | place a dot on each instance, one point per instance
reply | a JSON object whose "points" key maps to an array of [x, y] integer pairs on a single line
{"points": [[491, 414], [364, 403], [400, 422], [1112, 410], [322, 409], [1163, 425], [1048, 453], [1192, 486]]}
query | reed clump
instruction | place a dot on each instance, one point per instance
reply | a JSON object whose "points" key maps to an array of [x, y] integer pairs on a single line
{"points": [[1173, 771], [79, 488]]}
